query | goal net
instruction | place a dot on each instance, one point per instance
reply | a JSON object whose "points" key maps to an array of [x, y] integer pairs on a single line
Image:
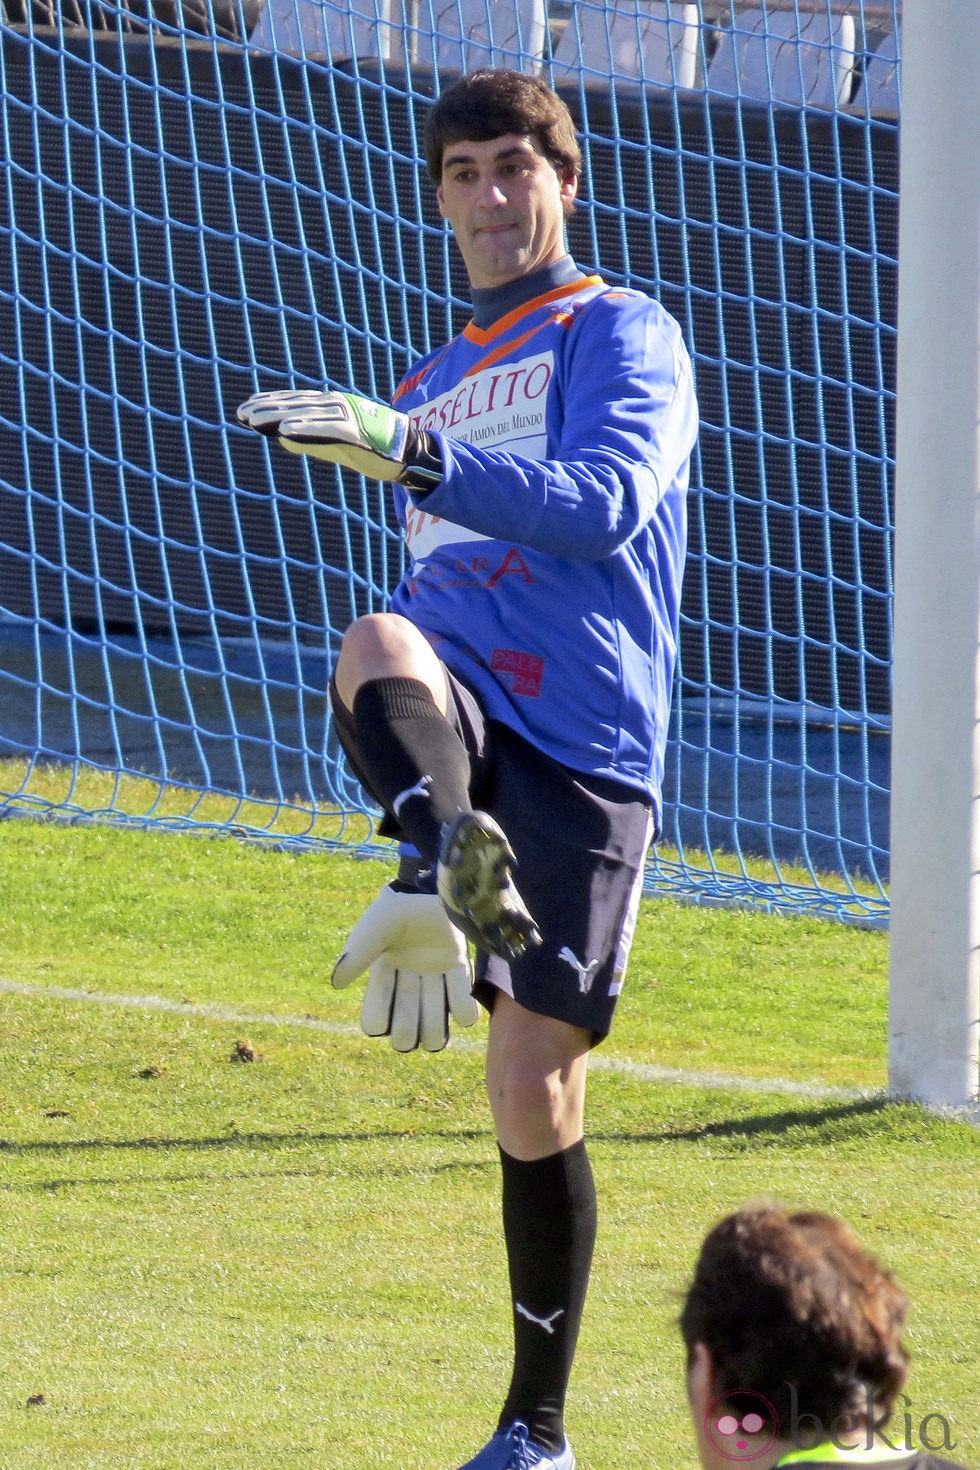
{"points": [[202, 199]]}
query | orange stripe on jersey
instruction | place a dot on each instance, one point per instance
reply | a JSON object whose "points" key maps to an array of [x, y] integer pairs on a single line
{"points": [[505, 348], [485, 335], [561, 318]]}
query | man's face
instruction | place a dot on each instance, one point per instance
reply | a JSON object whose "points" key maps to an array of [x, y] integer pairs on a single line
{"points": [[506, 206]]}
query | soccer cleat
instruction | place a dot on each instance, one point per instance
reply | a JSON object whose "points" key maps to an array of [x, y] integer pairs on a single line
{"points": [[513, 1449], [473, 880]]}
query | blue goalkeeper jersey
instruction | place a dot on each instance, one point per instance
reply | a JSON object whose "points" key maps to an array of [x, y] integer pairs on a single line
{"points": [[546, 566]]}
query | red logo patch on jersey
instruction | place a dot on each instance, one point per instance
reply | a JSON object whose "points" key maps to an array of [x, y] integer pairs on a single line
{"points": [[525, 670]]}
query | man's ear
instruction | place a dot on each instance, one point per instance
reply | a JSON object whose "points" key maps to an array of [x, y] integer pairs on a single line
{"points": [[568, 189], [439, 198], [700, 1381]]}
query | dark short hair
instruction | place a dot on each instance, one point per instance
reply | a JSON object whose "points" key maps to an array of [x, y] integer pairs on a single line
{"points": [[792, 1308], [481, 105]]}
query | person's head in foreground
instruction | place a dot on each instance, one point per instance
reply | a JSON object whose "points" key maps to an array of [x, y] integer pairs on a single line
{"points": [[502, 150], [794, 1343]]}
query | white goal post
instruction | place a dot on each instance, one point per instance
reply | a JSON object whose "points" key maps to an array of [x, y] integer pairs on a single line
{"points": [[934, 1021]]}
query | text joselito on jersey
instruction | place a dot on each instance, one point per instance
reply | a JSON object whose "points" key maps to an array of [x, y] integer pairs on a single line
{"points": [[493, 407]]}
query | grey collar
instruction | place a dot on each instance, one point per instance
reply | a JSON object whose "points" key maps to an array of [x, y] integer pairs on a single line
{"points": [[494, 302]]}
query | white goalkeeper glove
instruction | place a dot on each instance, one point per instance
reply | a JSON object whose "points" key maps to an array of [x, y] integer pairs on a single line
{"points": [[348, 430], [264, 412], [419, 972]]}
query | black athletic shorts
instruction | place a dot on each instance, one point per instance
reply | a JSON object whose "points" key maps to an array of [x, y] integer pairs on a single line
{"points": [[580, 842]]}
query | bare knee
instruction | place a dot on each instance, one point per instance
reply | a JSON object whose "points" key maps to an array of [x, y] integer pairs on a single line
{"points": [[386, 646], [536, 1079], [530, 1108]]}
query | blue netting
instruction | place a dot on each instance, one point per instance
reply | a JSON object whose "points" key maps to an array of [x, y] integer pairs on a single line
{"points": [[199, 202]]}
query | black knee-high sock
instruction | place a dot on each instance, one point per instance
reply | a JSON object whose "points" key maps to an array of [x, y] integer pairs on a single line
{"points": [[549, 1208], [413, 760]]}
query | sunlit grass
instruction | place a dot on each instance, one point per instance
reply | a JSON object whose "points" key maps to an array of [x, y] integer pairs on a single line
{"points": [[34, 788], [237, 1230]]}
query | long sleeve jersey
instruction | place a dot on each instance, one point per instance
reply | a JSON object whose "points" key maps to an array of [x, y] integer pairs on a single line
{"points": [[546, 566]]}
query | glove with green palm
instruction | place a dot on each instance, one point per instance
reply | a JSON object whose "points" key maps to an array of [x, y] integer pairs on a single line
{"points": [[346, 429]]}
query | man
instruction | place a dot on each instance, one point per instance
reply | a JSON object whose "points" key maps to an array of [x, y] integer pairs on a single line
{"points": [[794, 1350], [510, 712]]}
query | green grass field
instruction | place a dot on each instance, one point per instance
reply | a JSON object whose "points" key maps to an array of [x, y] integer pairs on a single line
{"points": [[237, 1233]]}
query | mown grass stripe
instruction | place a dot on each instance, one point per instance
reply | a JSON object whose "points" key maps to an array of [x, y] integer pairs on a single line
{"points": [[639, 1071]]}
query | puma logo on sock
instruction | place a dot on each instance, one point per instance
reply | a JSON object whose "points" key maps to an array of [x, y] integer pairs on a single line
{"points": [[547, 1323], [421, 788]]}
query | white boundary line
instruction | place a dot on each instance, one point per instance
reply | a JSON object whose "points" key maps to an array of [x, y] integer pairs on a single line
{"points": [[637, 1071]]}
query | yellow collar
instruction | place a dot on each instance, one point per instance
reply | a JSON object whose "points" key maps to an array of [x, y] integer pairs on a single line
{"points": [[834, 1454]]}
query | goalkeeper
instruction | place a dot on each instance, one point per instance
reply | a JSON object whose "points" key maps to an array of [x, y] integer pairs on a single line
{"points": [[509, 713]]}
